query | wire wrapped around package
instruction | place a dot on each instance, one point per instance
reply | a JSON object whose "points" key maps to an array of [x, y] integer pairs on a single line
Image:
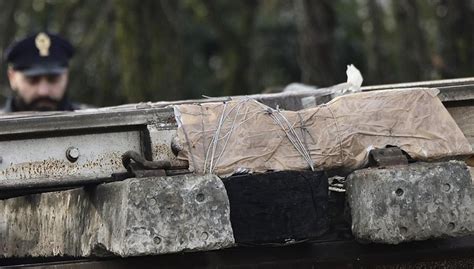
{"points": [[245, 135]]}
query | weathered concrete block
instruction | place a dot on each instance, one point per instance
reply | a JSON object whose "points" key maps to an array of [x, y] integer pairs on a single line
{"points": [[414, 202], [129, 218]]}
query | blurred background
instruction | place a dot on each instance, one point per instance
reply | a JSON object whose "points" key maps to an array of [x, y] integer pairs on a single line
{"points": [[153, 50]]}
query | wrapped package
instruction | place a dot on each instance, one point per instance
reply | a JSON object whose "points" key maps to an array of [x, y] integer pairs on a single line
{"points": [[244, 135]]}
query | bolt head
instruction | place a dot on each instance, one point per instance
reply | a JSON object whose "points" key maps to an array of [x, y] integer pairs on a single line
{"points": [[72, 154]]}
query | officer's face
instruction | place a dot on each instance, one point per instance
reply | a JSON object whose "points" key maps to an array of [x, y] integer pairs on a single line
{"points": [[39, 92]]}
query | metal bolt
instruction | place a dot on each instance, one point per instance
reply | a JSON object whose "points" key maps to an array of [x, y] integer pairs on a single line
{"points": [[72, 154]]}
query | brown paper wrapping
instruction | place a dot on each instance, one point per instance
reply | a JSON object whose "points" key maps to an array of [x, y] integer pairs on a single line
{"points": [[244, 135]]}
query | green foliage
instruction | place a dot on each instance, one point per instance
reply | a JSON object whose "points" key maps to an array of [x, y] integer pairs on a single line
{"points": [[151, 50]]}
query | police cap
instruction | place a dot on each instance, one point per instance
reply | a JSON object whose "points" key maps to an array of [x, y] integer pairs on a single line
{"points": [[40, 54]]}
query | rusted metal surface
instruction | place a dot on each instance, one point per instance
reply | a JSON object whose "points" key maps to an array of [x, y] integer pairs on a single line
{"points": [[138, 166], [387, 157], [16, 188], [142, 163], [100, 156], [33, 161], [160, 145]]}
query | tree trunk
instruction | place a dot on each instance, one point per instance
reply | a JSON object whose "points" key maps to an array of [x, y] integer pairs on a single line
{"points": [[455, 19], [317, 42], [413, 57]]}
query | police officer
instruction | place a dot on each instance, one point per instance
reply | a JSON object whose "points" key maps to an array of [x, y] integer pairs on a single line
{"points": [[38, 73]]}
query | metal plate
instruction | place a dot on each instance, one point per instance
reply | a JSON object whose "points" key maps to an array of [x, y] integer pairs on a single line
{"points": [[99, 156]]}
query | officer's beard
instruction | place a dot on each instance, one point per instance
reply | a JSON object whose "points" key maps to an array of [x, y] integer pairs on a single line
{"points": [[39, 104]]}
